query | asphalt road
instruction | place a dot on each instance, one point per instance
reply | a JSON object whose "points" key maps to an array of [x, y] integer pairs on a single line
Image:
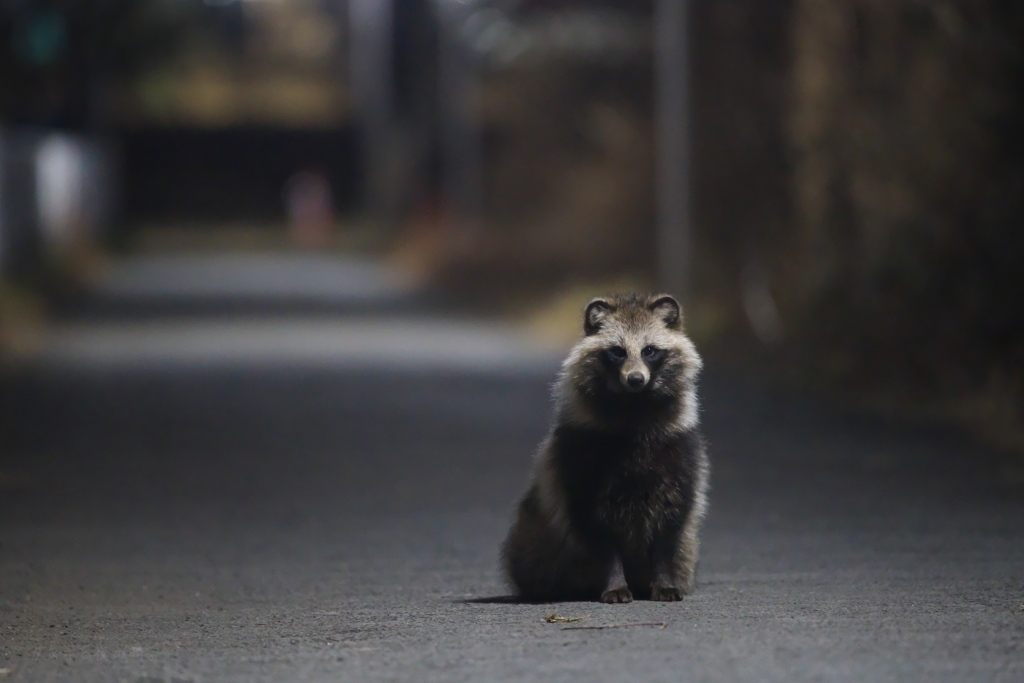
{"points": [[334, 514]]}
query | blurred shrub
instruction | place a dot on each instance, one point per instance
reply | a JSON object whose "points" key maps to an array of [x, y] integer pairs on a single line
{"points": [[874, 156], [909, 187]]}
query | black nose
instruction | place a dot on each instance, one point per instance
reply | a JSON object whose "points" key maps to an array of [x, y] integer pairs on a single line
{"points": [[635, 380]]}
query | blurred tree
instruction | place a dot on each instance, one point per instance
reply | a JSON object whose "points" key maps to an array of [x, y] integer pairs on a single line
{"points": [[909, 185], [63, 62], [859, 194]]}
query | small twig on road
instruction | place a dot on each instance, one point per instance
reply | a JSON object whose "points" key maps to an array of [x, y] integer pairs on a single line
{"points": [[658, 624], [555, 619]]}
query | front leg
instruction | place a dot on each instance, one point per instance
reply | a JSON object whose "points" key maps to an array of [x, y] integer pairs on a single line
{"points": [[616, 589]]}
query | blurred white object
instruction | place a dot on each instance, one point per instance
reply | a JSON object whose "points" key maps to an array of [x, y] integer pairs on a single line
{"points": [[57, 193], [72, 190], [60, 167]]}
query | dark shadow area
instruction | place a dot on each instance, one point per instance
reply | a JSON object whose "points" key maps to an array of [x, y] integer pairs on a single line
{"points": [[499, 600], [233, 175]]}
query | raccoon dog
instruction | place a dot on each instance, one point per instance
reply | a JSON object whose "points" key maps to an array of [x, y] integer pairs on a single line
{"points": [[620, 483]]}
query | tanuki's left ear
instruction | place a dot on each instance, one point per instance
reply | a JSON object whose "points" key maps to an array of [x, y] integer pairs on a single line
{"points": [[668, 309]]}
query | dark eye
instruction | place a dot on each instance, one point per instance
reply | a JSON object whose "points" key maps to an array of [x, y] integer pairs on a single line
{"points": [[651, 353], [616, 354]]}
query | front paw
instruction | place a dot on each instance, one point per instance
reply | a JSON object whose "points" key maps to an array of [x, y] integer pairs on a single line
{"points": [[615, 595], [667, 593]]}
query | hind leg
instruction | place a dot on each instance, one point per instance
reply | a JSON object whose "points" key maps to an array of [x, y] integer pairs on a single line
{"points": [[545, 562], [674, 561], [689, 539], [688, 555]]}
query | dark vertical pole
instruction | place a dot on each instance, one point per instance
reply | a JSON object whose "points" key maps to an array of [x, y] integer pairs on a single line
{"points": [[672, 114], [371, 75], [3, 206], [458, 93]]}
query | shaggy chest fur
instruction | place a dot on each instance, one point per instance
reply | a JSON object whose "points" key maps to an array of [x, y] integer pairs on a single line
{"points": [[630, 412], [625, 487]]}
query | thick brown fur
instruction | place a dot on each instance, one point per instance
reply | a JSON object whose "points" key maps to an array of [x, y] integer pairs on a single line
{"points": [[620, 483]]}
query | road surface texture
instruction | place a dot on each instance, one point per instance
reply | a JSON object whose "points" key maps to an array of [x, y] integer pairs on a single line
{"points": [[322, 498]]}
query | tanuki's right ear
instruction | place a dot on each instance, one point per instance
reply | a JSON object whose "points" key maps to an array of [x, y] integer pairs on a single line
{"points": [[597, 311]]}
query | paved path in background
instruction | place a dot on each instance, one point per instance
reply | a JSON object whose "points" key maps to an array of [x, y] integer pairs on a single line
{"points": [[218, 285], [261, 276], [319, 516]]}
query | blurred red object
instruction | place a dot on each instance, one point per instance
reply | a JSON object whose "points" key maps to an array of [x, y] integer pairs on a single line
{"points": [[310, 208]]}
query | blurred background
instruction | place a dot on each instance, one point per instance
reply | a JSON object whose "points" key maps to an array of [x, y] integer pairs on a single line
{"points": [[284, 285], [834, 189]]}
